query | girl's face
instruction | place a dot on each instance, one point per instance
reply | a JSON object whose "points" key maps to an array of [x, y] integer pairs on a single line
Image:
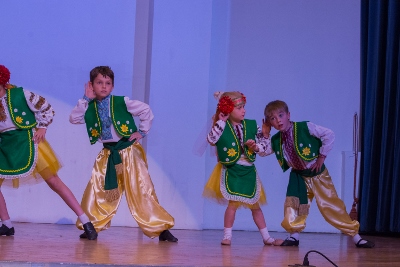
{"points": [[237, 115], [280, 120], [102, 86]]}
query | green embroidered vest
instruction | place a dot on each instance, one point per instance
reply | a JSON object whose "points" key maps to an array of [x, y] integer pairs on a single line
{"points": [[20, 113], [306, 145], [228, 145], [123, 121]]}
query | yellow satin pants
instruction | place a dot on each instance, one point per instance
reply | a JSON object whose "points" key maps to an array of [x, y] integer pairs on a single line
{"points": [[329, 204], [140, 195]]}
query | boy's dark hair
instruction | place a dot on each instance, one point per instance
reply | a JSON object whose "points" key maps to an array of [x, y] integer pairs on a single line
{"points": [[273, 106], [103, 70]]}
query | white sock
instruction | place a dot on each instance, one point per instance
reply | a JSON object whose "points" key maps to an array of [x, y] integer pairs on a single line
{"points": [[357, 238], [295, 235], [7, 223], [265, 234], [227, 233], [83, 218]]}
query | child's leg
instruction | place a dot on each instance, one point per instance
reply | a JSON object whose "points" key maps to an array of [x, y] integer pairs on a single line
{"points": [[229, 219], [258, 217], [230, 214], [65, 193], [4, 216], [330, 205], [6, 228], [141, 197], [333, 209]]}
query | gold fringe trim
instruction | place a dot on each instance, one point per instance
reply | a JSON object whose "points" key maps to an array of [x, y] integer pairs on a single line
{"points": [[112, 195], [294, 203], [119, 168]]}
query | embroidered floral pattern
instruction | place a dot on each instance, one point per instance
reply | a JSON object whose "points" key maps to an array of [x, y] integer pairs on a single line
{"points": [[124, 128], [306, 151], [232, 152], [19, 119], [94, 133]]}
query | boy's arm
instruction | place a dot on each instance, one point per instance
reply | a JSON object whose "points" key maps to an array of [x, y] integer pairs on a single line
{"points": [[143, 111], [326, 136], [77, 115], [42, 109]]}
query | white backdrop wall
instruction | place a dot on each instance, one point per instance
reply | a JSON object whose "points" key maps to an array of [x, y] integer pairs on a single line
{"points": [[303, 52]]}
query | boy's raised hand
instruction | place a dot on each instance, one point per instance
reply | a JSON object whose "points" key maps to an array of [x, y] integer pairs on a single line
{"points": [[266, 128], [39, 135], [89, 93]]}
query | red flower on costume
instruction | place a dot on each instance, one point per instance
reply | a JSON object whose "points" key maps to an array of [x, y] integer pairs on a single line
{"points": [[4, 75], [225, 105]]}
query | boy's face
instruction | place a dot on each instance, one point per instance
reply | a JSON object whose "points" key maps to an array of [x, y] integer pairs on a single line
{"points": [[237, 115], [280, 120], [102, 86]]}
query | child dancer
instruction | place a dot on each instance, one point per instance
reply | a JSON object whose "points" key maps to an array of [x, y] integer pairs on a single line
{"points": [[303, 147], [24, 152], [235, 180], [121, 165]]}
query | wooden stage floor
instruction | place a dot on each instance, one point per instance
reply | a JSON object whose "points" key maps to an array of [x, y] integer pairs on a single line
{"points": [[42, 245]]}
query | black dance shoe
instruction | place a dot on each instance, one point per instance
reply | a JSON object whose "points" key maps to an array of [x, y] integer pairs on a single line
{"points": [[90, 233], [290, 243], [4, 230], [368, 244], [167, 236]]}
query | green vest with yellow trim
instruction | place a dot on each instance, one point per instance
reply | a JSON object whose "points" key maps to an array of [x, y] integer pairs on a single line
{"points": [[306, 146], [228, 145], [123, 121], [20, 113]]}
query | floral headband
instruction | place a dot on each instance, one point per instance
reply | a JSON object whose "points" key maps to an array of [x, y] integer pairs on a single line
{"points": [[4, 75], [226, 104]]}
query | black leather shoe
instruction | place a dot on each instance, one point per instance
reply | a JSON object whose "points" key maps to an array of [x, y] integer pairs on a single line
{"points": [[90, 233], [290, 243], [167, 236], [368, 244], [4, 230]]}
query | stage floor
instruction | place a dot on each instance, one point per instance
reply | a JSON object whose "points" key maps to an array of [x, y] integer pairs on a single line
{"points": [[42, 245]]}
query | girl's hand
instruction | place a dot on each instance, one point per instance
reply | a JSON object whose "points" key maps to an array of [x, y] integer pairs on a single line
{"points": [[266, 128], [252, 145], [318, 164], [135, 135], [222, 116], [39, 135], [89, 93]]}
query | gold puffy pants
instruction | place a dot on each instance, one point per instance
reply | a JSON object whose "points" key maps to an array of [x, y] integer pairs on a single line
{"points": [[140, 195], [329, 204]]}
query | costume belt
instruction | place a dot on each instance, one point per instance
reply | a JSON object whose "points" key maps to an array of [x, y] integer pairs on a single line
{"points": [[297, 185], [114, 167]]}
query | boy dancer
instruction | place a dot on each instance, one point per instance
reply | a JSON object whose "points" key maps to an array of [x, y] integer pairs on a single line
{"points": [[303, 146], [121, 165]]}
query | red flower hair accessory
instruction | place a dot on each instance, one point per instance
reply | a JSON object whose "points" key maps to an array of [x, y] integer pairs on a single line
{"points": [[225, 105], [4, 75]]}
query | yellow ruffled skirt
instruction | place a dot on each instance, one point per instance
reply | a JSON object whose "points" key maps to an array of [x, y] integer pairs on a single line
{"points": [[47, 165], [212, 191]]}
